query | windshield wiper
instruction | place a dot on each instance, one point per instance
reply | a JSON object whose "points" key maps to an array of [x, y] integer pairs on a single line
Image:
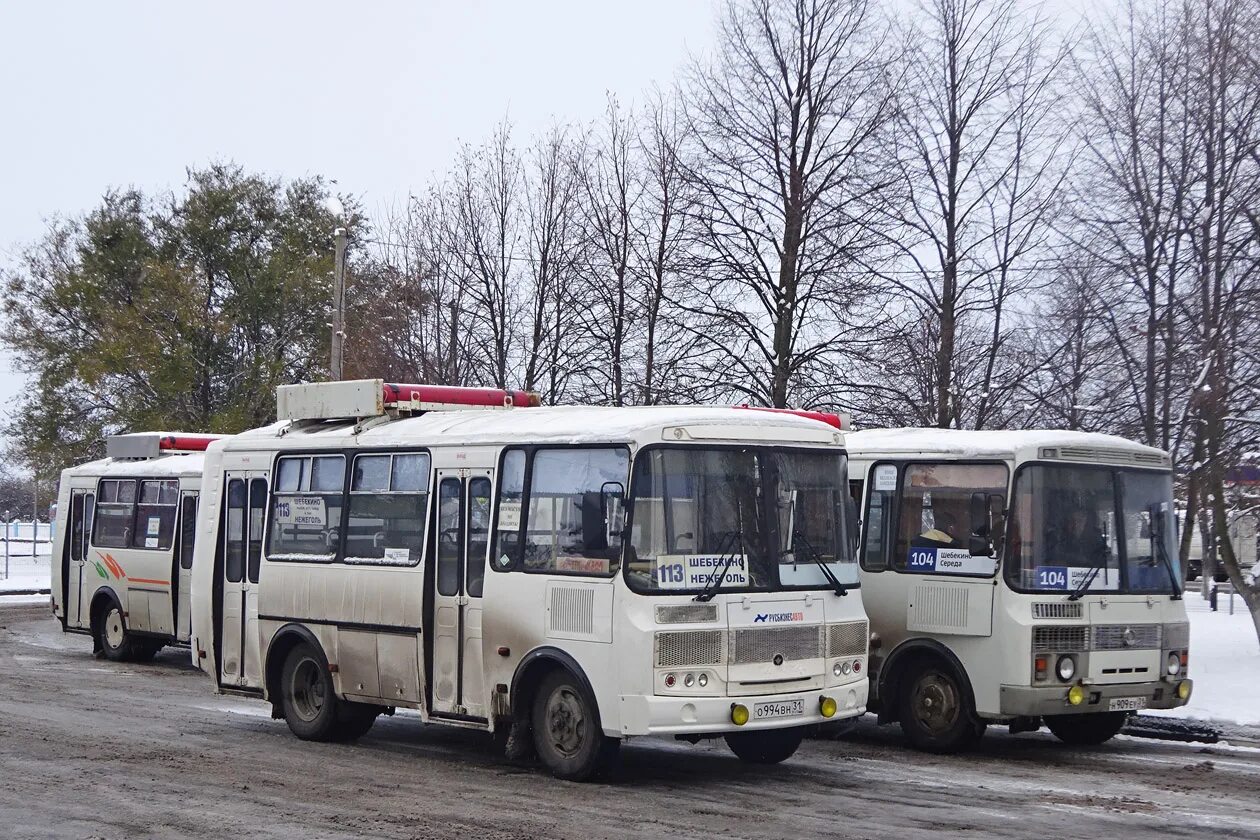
{"points": [[838, 587], [736, 539], [1083, 587]]}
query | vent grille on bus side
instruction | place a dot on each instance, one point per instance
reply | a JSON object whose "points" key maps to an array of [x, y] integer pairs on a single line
{"points": [[686, 613], [1104, 455], [1061, 639], [762, 644], [572, 610], [1057, 609], [687, 648], [940, 607], [847, 639]]}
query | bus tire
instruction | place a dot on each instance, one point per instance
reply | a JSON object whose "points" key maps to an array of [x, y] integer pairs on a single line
{"points": [[311, 707], [356, 720], [1088, 730], [568, 735], [116, 643], [770, 746], [144, 650], [935, 712]]}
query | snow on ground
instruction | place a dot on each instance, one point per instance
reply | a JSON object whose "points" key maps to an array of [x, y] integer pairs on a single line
{"points": [[25, 572], [1224, 663]]}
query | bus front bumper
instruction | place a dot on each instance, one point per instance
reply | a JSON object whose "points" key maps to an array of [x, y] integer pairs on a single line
{"points": [[1038, 701], [657, 715]]}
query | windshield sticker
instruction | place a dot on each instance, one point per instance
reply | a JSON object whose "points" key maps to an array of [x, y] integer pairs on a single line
{"points": [[155, 526], [695, 571], [1070, 578], [509, 516], [301, 510], [585, 565], [885, 478], [948, 561], [401, 556]]}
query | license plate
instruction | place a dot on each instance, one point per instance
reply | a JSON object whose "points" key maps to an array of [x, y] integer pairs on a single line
{"points": [[782, 708], [1126, 704]]}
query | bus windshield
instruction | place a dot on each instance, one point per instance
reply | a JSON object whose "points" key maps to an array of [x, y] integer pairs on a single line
{"points": [[754, 519], [1092, 529]]}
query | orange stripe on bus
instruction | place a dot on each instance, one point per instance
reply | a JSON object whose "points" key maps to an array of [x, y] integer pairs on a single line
{"points": [[147, 580]]}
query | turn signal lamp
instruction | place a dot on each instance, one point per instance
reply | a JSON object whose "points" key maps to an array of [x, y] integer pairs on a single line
{"points": [[739, 714], [1183, 690], [1076, 695], [826, 706], [1040, 665]]}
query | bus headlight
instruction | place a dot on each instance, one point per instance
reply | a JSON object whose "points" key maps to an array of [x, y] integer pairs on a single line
{"points": [[1174, 664], [826, 706], [1183, 690], [739, 714], [1065, 668], [703, 679], [1076, 695]]}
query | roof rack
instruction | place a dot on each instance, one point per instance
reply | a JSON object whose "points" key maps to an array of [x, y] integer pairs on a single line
{"points": [[141, 446], [359, 399]]}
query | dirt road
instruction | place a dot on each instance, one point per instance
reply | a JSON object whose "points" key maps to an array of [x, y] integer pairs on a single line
{"points": [[92, 749]]}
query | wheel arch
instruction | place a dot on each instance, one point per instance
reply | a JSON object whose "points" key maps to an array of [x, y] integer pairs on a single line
{"points": [[282, 643], [530, 672], [894, 669]]}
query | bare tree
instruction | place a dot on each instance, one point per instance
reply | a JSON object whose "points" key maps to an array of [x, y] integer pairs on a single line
{"points": [[783, 123]]}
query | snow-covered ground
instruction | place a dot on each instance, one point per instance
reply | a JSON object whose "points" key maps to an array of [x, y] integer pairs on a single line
{"points": [[1224, 652], [1224, 663], [25, 572]]}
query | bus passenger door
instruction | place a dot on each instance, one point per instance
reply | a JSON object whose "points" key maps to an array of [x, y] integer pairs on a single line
{"points": [[463, 529], [186, 536], [78, 532], [244, 513]]}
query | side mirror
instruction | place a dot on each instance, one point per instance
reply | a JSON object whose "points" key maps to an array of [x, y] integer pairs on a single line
{"points": [[612, 497], [978, 543]]}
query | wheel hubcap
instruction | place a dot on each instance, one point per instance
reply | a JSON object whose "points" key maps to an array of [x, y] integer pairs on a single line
{"points": [[566, 723], [307, 690], [936, 703], [114, 628]]}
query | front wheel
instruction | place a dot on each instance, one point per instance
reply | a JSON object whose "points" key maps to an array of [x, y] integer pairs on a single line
{"points": [[567, 733], [767, 746], [112, 636], [935, 714], [1088, 730]]}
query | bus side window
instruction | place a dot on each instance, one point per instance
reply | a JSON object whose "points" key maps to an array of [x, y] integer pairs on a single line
{"points": [[257, 511], [478, 534], [187, 531], [877, 519], [115, 514], [507, 542], [234, 566]]}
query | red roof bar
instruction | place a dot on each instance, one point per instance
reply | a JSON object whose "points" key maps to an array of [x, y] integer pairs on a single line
{"points": [[186, 443], [453, 395]]}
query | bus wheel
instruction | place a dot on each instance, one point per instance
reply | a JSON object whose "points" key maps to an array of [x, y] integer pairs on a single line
{"points": [[765, 747], [567, 732], [1086, 730], [145, 651], [935, 715], [357, 719], [111, 633], [306, 693]]}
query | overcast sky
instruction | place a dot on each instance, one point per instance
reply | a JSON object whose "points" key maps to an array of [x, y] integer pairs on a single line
{"points": [[375, 95]]}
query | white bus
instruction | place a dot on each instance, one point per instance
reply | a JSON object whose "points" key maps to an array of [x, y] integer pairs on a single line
{"points": [[1018, 577], [123, 543], [575, 576]]}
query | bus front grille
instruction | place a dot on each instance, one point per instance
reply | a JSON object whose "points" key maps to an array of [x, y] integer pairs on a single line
{"points": [[688, 648], [1061, 639], [848, 639], [763, 644], [1126, 636]]}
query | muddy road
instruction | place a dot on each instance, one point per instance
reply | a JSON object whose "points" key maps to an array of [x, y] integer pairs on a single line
{"points": [[93, 749]]}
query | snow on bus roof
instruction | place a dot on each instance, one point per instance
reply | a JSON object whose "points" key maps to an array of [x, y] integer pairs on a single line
{"points": [[546, 424], [167, 466], [967, 442]]}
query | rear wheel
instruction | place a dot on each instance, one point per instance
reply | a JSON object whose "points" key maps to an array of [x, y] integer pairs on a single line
{"points": [[765, 747], [935, 714], [145, 650], [307, 696], [567, 731], [1086, 730], [115, 642]]}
